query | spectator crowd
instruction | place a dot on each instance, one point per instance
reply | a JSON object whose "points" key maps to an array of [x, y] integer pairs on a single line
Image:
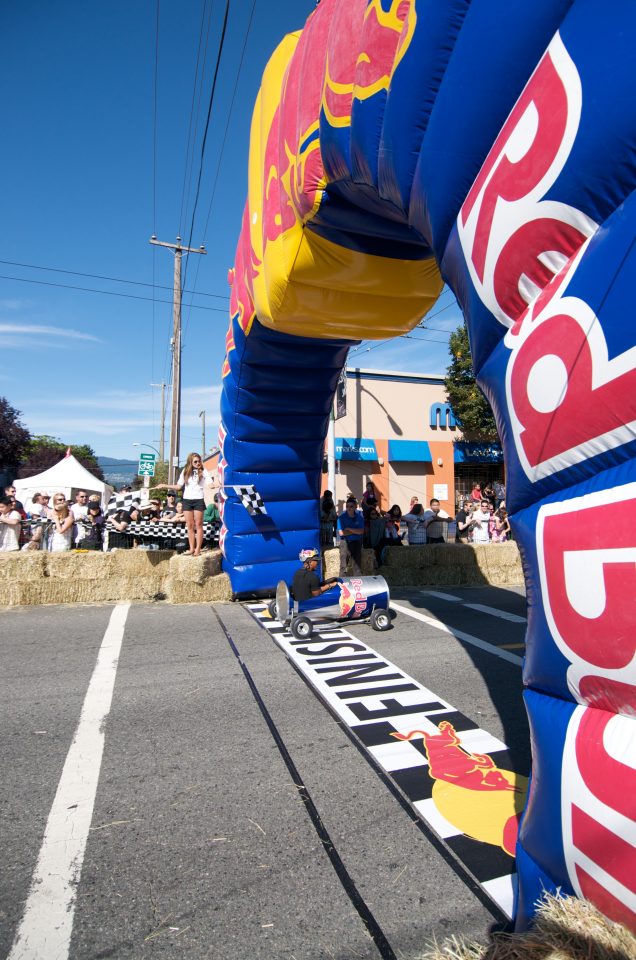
{"points": [[482, 518], [55, 524]]}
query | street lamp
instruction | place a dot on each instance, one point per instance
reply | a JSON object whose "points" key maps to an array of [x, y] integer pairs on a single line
{"points": [[148, 445]]}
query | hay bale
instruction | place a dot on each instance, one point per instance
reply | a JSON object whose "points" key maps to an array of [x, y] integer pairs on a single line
{"points": [[453, 564], [331, 563], [19, 568], [565, 929], [85, 590], [188, 569], [212, 589], [26, 565]]}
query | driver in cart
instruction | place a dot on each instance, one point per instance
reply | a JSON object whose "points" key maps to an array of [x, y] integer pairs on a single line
{"points": [[306, 583]]}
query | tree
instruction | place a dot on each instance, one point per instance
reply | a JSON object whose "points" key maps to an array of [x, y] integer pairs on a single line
{"points": [[43, 452], [470, 406], [14, 437]]}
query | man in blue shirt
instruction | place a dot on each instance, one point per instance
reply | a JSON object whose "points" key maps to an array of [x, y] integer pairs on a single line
{"points": [[351, 529]]}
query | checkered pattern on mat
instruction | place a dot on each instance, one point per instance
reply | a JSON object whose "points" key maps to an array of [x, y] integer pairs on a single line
{"points": [[376, 699]]}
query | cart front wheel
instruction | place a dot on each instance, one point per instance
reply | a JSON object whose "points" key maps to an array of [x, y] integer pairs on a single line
{"points": [[380, 620], [302, 627], [271, 609]]}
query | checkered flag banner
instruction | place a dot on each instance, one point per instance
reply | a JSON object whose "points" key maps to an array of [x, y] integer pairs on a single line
{"points": [[251, 499], [122, 501]]}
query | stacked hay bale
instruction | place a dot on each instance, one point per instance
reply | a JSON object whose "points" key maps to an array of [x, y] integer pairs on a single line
{"points": [[197, 579], [496, 564], [331, 563], [17, 572], [77, 577], [91, 577]]}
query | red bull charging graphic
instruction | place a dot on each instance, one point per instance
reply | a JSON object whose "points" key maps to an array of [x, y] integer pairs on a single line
{"points": [[470, 790], [397, 145]]}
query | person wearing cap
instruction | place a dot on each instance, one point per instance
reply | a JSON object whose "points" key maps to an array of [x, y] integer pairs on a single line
{"points": [[170, 506], [94, 527], [306, 583], [153, 511], [351, 530]]}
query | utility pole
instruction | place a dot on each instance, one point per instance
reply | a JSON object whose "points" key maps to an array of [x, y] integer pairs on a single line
{"points": [[162, 445], [175, 418], [202, 415]]}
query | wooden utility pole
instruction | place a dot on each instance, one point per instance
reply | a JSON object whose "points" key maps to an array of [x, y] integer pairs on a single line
{"points": [[202, 415], [175, 419], [162, 434]]}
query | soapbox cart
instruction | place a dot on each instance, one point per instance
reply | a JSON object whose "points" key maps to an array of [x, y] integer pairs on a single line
{"points": [[350, 599]]}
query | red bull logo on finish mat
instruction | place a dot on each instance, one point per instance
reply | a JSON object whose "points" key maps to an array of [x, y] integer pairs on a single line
{"points": [[470, 791], [470, 799]]}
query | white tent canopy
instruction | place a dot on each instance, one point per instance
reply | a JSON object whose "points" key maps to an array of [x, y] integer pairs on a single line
{"points": [[67, 477]]}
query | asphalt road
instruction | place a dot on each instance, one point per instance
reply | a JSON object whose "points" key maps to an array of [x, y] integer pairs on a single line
{"points": [[200, 840]]}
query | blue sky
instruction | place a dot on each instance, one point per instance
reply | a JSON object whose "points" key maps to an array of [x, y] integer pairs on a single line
{"points": [[83, 190]]}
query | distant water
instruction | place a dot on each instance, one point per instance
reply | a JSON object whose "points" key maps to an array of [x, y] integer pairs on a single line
{"points": [[118, 472]]}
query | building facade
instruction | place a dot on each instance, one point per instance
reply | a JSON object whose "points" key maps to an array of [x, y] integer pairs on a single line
{"points": [[399, 431]]}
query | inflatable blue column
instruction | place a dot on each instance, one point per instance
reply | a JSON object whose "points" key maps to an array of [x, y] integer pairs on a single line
{"points": [[275, 406]]}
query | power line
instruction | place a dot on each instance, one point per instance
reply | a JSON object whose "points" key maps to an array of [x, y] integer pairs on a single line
{"points": [[404, 336], [100, 276], [154, 126], [222, 151], [191, 139], [154, 197], [107, 293], [430, 316], [205, 133]]}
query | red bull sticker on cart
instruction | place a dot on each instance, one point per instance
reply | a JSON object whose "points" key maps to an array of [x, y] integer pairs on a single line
{"points": [[461, 780]]}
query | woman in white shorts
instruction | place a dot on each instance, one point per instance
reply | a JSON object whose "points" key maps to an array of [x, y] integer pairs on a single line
{"points": [[194, 477]]}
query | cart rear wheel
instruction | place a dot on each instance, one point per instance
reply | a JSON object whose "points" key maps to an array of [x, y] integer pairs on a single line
{"points": [[271, 609], [380, 620], [302, 627]]}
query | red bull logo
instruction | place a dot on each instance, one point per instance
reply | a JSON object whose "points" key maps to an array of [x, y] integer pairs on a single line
{"points": [[360, 601], [352, 599], [384, 37], [559, 365], [347, 600], [599, 812], [514, 240], [470, 790]]}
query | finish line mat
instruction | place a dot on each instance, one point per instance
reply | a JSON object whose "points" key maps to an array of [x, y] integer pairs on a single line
{"points": [[459, 779]]}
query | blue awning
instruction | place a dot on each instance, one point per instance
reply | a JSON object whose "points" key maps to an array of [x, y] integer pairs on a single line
{"points": [[465, 452], [355, 448], [410, 451]]}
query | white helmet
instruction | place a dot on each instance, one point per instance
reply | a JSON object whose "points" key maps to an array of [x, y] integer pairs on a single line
{"points": [[305, 555]]}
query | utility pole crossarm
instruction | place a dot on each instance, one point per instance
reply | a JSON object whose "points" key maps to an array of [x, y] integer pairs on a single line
{"points": [[178, 246]]}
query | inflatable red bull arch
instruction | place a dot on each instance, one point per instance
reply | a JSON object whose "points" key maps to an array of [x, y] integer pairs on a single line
{"points": [[400, 144]]}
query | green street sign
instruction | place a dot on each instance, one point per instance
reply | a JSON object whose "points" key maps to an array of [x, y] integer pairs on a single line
{"points": [[146, 468], [148, 456]]}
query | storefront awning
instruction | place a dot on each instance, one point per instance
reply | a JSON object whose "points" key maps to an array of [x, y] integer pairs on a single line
{"points": [[466, 452], [409, 451], [355, 448]]}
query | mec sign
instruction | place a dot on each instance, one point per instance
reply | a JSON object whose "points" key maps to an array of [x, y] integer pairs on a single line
{"points": [[442, 416]]}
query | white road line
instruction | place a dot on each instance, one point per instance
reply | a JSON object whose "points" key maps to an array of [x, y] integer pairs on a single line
{"points": [[481, 607], [47, 922], [494, 612], [466, 637], [442, 596]]}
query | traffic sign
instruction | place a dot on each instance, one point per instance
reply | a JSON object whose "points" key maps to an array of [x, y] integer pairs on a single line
{"points": [[146, 468], [148, 456]]}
